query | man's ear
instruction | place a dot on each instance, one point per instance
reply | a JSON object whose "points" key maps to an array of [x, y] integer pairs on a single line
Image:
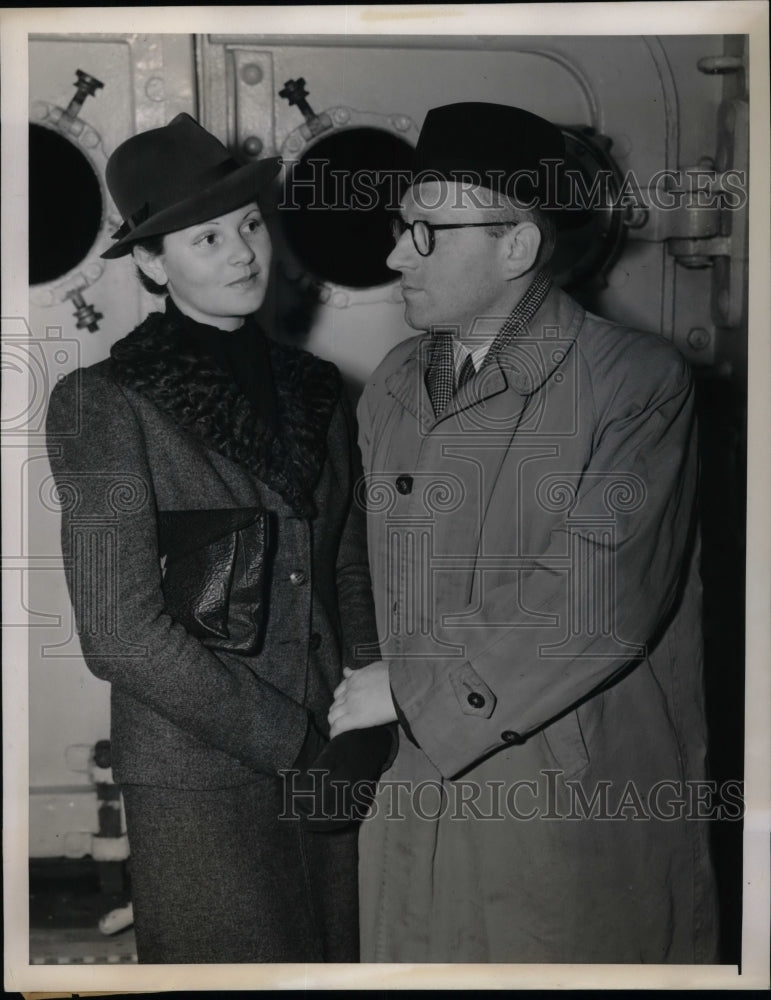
{"points": [[520, 246], [150, 264]]}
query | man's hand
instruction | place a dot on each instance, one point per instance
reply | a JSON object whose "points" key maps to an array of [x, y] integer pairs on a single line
{"points": [[362, 699]]}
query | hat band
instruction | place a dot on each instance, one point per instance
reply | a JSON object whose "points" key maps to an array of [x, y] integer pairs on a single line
{"points": [[197, 184]]}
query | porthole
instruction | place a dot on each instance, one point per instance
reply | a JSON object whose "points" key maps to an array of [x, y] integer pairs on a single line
{"points": [[338, 204], [590, 239], [65, 205]]}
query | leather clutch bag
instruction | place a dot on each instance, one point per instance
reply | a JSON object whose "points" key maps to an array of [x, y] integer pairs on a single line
{"points": [[214, 574]]}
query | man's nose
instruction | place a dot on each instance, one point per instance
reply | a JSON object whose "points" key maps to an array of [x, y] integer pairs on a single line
{"points": [[403, 254]]}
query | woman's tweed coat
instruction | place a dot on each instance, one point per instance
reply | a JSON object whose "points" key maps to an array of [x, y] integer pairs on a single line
{"points": [[161, 429]]}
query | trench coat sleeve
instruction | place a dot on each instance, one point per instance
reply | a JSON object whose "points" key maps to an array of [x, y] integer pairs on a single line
{"points": [[354, 588], [126, 636], [516, 677]]}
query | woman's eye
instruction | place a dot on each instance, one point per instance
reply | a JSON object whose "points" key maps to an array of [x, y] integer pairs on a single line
{"points": [[207, 240], [252, 225]]}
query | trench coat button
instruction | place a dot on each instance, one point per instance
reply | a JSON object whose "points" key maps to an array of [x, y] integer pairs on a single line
{"points": [[476, 700], [509, 736], [404, 484], [315, 641], [298, 578]]}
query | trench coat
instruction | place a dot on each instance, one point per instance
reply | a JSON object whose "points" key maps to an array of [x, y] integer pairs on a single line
{"points": [[155, 430], [534, 555]]}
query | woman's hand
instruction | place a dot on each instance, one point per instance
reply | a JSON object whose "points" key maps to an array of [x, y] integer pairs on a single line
{"points": [[362, 699]]}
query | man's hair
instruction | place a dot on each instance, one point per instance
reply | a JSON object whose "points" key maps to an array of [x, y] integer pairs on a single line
{"points": [[543, 221], [153, 245]]}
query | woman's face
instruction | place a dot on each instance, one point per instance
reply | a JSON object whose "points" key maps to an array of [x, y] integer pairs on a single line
{"points": [[217, 271]]}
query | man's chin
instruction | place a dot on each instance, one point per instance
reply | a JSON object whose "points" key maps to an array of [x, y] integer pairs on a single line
{"points": [[413, 318]]}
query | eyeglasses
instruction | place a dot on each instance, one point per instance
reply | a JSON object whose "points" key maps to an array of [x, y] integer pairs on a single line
{"points": [[422, 232]]}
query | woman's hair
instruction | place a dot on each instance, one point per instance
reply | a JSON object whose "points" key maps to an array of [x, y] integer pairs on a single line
{"points": [[153, 245]]}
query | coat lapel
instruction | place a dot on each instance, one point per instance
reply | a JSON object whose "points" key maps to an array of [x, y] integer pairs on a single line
{"points": [[523, 367], [529, 361], [156, 360]]}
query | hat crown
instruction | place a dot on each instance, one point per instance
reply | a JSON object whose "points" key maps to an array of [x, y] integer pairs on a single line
{"points": [[491, 142], [169, 178], [163, 166]]}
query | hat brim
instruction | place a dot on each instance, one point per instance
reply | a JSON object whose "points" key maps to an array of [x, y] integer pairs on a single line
{"points": [[238, 188]]}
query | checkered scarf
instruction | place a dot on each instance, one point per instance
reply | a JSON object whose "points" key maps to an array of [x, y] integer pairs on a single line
{"points": [[441, 376]]}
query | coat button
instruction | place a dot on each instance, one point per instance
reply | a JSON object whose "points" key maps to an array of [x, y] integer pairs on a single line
{"points": [[476, 700], [298, 578], [404, 484], [315, 641], [509, 736]]}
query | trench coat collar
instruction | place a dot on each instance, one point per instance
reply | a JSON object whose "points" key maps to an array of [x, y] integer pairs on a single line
{"points": [[522, 367]]}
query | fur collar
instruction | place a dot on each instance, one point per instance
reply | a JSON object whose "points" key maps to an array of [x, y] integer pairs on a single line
{"points": [[155, 359]]}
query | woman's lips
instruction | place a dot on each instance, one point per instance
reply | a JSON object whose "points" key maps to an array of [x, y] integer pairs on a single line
{"points": [[248, 282]]}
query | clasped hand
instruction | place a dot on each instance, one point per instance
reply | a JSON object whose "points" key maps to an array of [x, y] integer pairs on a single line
{"points": [[362, 699]]}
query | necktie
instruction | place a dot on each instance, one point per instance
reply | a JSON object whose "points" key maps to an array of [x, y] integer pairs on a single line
{"points": [[467, 370]]}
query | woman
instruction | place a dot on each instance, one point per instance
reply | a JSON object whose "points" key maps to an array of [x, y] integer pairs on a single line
{"points": [[223, 584]]}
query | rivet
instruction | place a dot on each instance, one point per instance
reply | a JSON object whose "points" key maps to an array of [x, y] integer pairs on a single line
{"points": [[341, 115], [89, 139], [401, 122], [252, 74], [253, 145], [698, 338], [293, 143]]}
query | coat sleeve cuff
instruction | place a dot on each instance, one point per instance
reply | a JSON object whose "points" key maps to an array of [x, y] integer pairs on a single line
{"points": [[311, 747], [447, 710]]}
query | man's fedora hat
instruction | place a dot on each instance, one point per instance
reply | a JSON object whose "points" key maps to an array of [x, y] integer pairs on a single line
{"points": [[494, 146], [176, 176]]}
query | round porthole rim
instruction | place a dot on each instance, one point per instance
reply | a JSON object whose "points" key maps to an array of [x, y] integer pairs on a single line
{"points": [[294, 147], [90, 268]]}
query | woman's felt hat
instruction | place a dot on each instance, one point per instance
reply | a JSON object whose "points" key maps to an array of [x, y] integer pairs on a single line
{"points": [[176, 176]]}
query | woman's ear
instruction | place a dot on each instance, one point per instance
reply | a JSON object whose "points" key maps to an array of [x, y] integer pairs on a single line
{"points": [[520, 246], [150, 264]]}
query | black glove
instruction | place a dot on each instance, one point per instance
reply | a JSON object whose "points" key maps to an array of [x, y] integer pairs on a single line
{"points": [[338, 787]]}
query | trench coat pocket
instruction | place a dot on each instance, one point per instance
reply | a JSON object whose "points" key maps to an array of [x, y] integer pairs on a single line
{"points": [[214, 576], [566, 744]]}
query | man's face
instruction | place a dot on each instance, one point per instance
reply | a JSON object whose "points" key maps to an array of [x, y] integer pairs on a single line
{"points": [[462, 279]]}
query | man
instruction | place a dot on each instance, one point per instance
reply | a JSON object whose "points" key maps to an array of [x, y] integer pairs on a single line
{"points": [[534, 549]]}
